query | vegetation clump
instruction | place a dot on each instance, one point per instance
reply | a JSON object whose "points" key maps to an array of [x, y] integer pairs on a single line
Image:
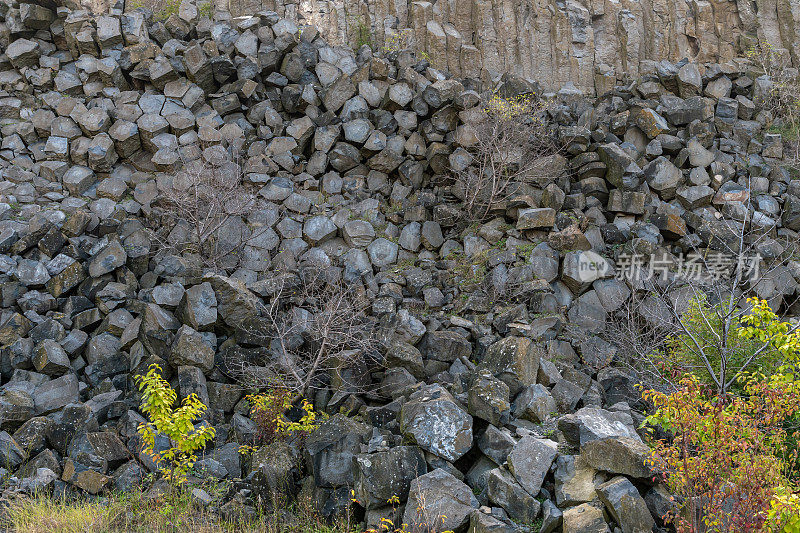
{"points": [[177, 424], [730, 457]]}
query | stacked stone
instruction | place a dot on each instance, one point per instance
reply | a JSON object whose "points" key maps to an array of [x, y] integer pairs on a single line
{"points": [[493, 409]]}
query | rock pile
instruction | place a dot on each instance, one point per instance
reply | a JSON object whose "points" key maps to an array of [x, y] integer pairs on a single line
{"points": [[498, 412]]}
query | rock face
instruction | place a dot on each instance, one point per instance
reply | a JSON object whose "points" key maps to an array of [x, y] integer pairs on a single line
{"points": [[488, 393], [592, 44]]}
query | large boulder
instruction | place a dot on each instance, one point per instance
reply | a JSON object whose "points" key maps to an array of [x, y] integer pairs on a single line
{"points": [[332, 448], [585, 518], [504, 491], [530, 461], [592, 423], [619, 455], [515, 360], [488, 399], [626, 506]]}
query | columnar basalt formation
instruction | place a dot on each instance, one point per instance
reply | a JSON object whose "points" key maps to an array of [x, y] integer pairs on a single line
{"points": [[592, 43]]}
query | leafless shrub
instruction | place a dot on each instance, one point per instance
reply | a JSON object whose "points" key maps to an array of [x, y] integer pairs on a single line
{"points": [[317, 331], [512, 143], [200, 211]]}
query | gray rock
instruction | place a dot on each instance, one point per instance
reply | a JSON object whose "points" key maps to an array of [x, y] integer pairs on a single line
{"points": [[626, 505], [582, 268], [319, 229], [54, 394], [515, 360], [619, 455], [380, 476], [576, 481], [663, 177], [16, 407], [23, 53], [198, 307], [504, 491], [382, 252], [332, 447], [622, 172], [479, 522], [496, 444], [405, 355], [358, 233], [488, 399], [447, 346], [536, 218], [108, 259], [552, 517], [591, 423], [534, 403], [50, 358], [690, 83], [585, 518], [698, 155], [660, 503], [31, 273], [439, 501], [530, 461], [10, 452], [190, 348], [433, 420]]}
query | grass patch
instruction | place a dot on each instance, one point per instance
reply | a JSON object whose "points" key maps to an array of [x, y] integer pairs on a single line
{"points": [[787, 132], [32, 515], [136, 512]]}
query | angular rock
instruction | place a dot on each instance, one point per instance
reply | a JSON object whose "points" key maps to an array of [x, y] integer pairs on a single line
{"points": [[626, 506], [530, 461], [438, 500], [432, 419]]}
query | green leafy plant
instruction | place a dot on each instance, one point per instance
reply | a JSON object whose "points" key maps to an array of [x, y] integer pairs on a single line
{"points": [[398, 41], [784, 512], [158, 400], [205, 9], [267, 411], [764, 326]]}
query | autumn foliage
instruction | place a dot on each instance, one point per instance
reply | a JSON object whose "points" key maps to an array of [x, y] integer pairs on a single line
{"points": [[730, 458]]}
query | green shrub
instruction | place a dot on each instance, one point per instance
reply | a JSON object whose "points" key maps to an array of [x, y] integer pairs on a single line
{"points": [[267, 412], [158, 399]]}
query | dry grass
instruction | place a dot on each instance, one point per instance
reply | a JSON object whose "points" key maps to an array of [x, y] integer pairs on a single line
{"points": [[32, 515], [136, 512]]}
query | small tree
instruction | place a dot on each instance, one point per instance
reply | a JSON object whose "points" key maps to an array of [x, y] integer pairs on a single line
{"points": [[725, 460], [698, 300], [158, 400], [714, 350], [730, 458], [267, 411]]}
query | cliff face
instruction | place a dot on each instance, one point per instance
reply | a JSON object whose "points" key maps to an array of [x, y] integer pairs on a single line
{"points": [[589, 42]]}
